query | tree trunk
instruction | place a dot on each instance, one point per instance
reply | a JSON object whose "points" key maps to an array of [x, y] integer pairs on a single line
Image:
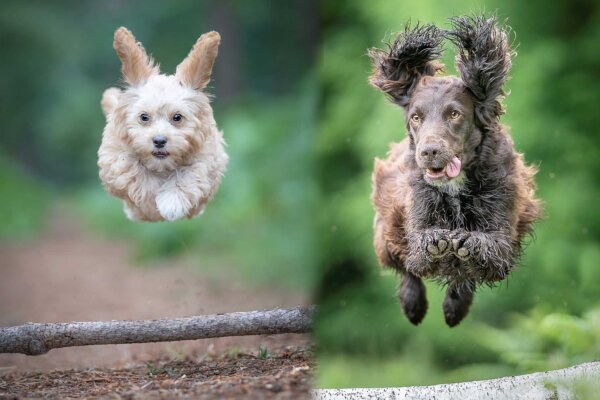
{"points": [[39, 338], [580, 381]]}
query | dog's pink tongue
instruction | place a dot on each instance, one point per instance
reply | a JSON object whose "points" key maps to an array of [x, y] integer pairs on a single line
{"points": [[453, 168]]}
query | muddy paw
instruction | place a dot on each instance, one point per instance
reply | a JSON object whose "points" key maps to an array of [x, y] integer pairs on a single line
{"points": [[438, 248], [461, 247], [438, 243], [460, 250]]}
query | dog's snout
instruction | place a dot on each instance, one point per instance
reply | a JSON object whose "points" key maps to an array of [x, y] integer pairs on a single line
{"points": [[431, 151], [159, 141]]}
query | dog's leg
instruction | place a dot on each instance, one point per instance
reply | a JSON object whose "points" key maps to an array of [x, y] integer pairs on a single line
{"points": [[134, 213], [456, 304], [413, 298], [186, 193], [193, 186], [172, 203], [389, 248], [492, 251], [425, 248], [391, 253]]}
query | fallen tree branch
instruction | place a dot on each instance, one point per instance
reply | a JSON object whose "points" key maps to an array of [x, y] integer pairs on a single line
{"points": [[39, 338], [568, 383]]}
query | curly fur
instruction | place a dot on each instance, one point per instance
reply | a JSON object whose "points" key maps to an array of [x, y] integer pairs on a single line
{"points": [[178, 185], [483, 60], [466, 231], [413, 54]]}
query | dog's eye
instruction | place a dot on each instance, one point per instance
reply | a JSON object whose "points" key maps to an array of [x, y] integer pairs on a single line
{"points": [[454, 114], [177, 117], [144, 117], [415, 118]]}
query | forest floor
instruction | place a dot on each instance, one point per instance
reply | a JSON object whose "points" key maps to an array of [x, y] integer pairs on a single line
{"points": [[68, 274]]}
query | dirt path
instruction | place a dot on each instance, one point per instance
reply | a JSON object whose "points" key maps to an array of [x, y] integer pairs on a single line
{"points": [[67, 274], [284, 375]]}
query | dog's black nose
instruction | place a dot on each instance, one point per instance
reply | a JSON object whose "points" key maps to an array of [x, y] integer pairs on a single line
{"points": [[159, 141], [430, 151]]}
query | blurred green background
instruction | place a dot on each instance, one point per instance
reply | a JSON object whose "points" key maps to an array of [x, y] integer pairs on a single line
{"points": [[57, 59], [547, 314]]}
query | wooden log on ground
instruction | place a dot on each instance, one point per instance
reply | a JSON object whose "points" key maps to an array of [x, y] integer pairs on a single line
{"points": [[579, 381], [39, 338]]}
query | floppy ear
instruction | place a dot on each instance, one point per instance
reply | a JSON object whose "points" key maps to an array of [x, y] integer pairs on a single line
{"points": [[196, 69], [413, 54], [483, 60], [137, 66], [110, 100]]}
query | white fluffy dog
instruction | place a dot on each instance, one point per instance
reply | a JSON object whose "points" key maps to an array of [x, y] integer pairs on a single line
{"points": [[161, 151]]}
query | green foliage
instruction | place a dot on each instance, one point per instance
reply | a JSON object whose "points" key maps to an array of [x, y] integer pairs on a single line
{"points": [[542, 340], [24, 202], [343, 371]]}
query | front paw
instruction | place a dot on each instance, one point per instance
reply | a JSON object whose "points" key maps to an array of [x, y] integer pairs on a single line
{"points": [[462, 244], [437, 244], [172, 205]]}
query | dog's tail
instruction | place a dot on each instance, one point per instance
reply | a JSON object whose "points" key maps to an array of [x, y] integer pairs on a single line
{"points": [[110, 99]]}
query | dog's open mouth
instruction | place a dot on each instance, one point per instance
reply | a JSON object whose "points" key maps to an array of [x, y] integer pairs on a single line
{"points": [[450, 170], [436, 173], [160, 154]]}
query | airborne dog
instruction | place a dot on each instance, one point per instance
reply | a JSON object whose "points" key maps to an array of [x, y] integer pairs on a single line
{"points": [[453, 200], [161, 151]]}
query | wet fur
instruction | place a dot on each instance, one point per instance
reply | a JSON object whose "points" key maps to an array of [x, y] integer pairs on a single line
{"points": [[495, 208], [180, 185]]}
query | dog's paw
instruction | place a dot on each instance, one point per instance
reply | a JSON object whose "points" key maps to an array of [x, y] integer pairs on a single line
{"points": [[456, 306], [462, 245], [438, 249], [438, 244], [172, 205], [413, 299], [461, 251]]}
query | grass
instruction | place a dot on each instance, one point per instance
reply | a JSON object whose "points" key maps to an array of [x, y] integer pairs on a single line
{"points": [[263, 353]]}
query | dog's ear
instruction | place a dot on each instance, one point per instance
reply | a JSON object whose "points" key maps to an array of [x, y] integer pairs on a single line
{"points": [[196, 69], [483, 59], [413, 54], [137, 66], [110, 100]]}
